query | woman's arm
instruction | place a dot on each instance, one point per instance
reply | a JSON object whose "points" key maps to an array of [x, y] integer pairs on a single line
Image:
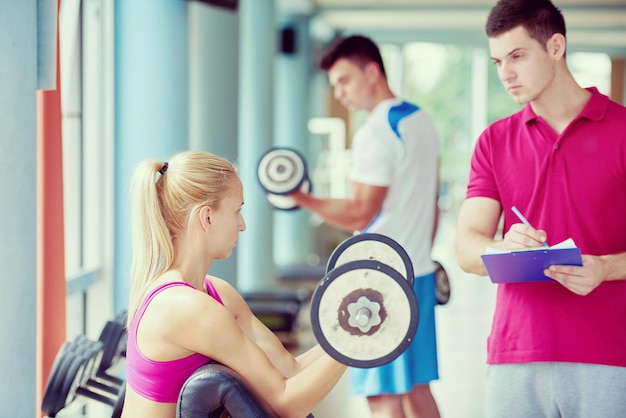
{"points": [[261, 335], [207, 327]]}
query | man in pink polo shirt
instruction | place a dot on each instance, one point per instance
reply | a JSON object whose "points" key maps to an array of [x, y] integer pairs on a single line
{"points": [[556, 348]]}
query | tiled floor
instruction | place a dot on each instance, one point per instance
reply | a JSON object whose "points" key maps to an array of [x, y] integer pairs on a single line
{"points": [[462, 328]]}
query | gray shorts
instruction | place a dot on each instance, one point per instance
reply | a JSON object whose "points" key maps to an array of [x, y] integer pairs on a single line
{"points": [[555, 390]]}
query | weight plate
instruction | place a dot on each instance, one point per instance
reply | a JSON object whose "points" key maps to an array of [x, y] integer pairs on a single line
{"points": [[108, 343], [60, 388], [121, 344], [73, 378], [337, 297], [373, 246], [50, 402], [81, 349], [117, 342], [96, 351], [442, 284], [281, 171], [283, 202]]}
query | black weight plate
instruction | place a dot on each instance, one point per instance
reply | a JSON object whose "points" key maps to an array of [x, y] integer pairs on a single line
{"points": [[49, 401], [442, 284], [115, 338], [80, 346], [331, 302], [120, 348], [72, 380], [96, 351], [373, 246], [59, 394], [108, 344], [90, 357]]}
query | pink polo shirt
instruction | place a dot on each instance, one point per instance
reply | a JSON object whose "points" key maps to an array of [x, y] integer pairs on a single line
{"points": [[570, 185]]}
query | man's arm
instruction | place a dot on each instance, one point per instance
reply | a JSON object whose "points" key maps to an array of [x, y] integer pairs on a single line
{"points": [[437, 211], [351, 214], [476, 228]]}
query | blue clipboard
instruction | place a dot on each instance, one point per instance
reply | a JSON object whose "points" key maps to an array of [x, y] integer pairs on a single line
{"points": [[528, 266]]}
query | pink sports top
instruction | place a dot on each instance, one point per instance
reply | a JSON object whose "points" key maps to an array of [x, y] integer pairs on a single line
{"points": [[160, 381]]}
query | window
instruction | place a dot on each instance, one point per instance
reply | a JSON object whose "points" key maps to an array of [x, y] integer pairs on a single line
{"points": [[85, 34]]}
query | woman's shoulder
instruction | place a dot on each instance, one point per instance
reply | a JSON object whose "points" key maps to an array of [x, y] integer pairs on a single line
{"points": [[177, 318], [172, 292], [221, 286], [228, 294], [174, 297]]}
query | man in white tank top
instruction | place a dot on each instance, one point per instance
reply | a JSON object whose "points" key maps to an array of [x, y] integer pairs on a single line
{"points": [[393, 191]]}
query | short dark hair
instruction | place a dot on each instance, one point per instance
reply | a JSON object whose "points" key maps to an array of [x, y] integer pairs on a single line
{"points": [[540, 18], [357, 48]]}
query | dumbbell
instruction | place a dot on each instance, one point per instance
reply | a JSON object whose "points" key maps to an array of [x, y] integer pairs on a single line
{"points": [[372, 246], [388, 251], [113, 337], [442, 284], [66, 375], [74, 374], [96, 375], [364, 312], [280, 172], [95, 383], [53, 399]]}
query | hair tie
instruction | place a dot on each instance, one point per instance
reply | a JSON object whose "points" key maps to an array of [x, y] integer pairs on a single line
{"points": [[164, 168]]}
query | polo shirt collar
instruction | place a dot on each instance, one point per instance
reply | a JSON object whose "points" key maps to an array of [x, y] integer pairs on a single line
{"points": [[595, 109]]}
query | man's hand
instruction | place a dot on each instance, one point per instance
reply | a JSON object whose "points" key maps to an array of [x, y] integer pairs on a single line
{"points": [[581, 280], [521, 236]]}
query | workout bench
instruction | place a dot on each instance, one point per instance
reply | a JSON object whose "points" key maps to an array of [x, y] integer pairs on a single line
{"points": [[216, 391]]}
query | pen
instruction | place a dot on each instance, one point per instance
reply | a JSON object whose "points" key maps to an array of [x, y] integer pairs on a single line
{"points": [[525, 221]]}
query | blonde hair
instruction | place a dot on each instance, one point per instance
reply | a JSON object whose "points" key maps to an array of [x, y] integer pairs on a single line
{"points": [[164, 198]]}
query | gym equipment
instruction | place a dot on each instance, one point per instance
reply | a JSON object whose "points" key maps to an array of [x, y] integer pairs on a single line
{"points": [[364, 313], [277, 309], [372, 246], [92, 385], [214, 391], [80, 370], [113, 337], [282, 171], [282, 202], [74, 374], [442, 284], [380, 247], [53, 400]]}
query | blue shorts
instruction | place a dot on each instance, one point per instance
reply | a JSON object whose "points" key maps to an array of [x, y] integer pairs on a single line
{"points": [[418, 364]]}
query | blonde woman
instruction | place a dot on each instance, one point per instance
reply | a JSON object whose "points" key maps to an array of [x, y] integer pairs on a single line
{"points": [[186, 213]]}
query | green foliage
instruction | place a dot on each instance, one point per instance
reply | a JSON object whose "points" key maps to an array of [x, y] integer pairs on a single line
{"points": [[448, 101]]}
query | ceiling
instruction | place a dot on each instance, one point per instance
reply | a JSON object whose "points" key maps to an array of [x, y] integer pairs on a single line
{"points": [[592, 25]]}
